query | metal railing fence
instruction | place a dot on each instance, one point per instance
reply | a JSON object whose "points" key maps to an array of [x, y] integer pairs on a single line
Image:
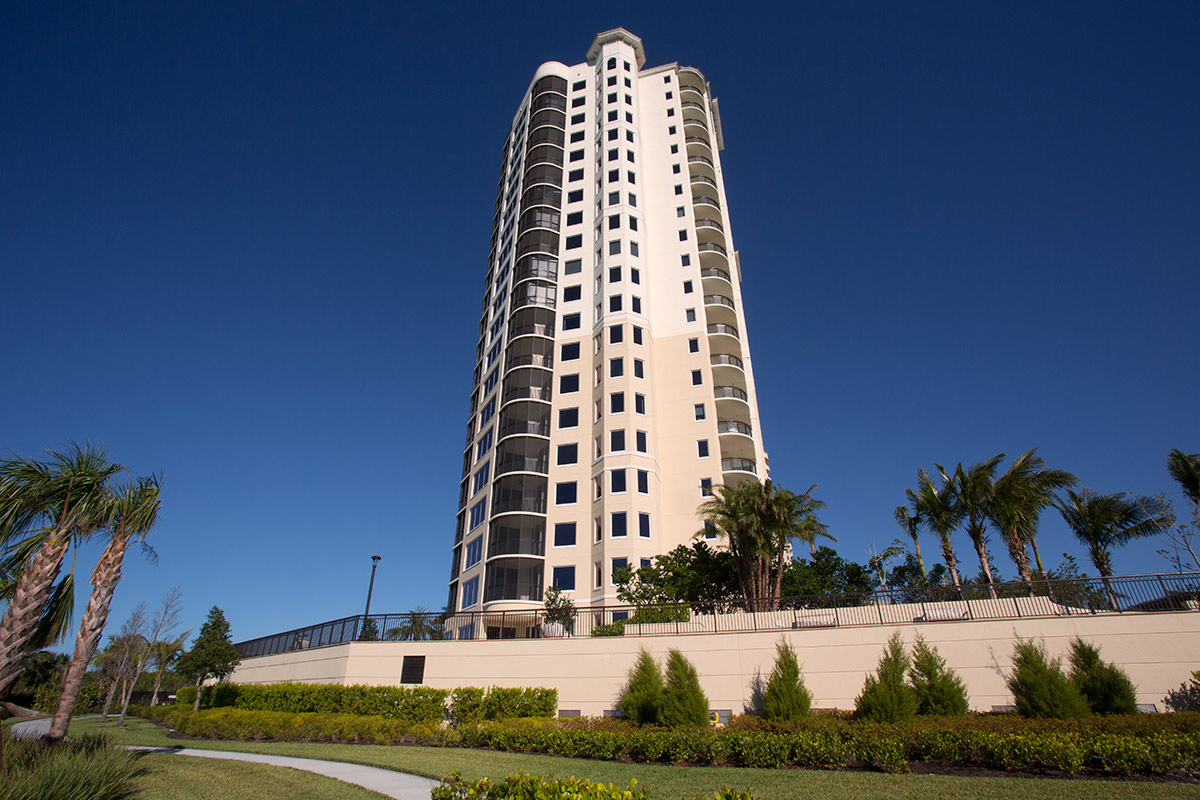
{"points": [[973, 602]]}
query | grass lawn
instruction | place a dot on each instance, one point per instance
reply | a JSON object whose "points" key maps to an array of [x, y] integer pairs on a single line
{"points": [[182, 778], [675, 783]]}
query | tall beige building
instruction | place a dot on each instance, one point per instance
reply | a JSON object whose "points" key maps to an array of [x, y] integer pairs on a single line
{"points": [[613, 381]]}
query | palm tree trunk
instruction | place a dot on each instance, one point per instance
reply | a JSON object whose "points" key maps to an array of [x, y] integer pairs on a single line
{"points": [[917, 551], [1037, 557], [984, 566], [951, 561], [104, 584], [24, 611]]}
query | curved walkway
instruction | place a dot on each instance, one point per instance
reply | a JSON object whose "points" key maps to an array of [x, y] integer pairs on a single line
{"points": [[399, 785]]}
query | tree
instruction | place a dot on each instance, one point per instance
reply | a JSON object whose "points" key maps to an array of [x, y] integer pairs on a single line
{"points": [[164, 622], [166, 653], [799, 513], [1186, 697], [370, 631], [683, 701], [911, 525], [419, 625], [937, 689], [786, 697], [885, 696], [641, 700], [1182, 537], [1105, 521], [1185, 469], [827, 573], [1020, 495], [975, 494], [697, 574], [560, 609], [1105, 686], [1039, 687], [36, 669], [51, 504], [124, 649], [131, 512], [212, 655], [938, 509]]}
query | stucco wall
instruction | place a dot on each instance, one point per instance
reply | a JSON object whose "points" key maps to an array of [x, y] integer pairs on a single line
{"points": [[1158, 650]]}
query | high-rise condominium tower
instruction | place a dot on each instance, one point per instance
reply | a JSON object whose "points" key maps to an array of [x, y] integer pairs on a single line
{"points": [[612, 381]]}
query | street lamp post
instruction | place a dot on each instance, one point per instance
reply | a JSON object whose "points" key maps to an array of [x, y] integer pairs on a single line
{"points": [[370, 588]]}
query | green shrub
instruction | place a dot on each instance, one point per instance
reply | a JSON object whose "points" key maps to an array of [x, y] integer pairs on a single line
{"points": [[937, 689], [466, 706], [615, 629], [83, 768], [90, 699], [1105, 686], [1186, 697], [1039, 686], [683, 701], [519, 786], [652, 614], [502, 703], [641, 700], [786, 697], [885, 696]]}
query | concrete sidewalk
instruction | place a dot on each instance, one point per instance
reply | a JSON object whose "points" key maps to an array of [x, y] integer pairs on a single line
{"points": [[399, 785]]}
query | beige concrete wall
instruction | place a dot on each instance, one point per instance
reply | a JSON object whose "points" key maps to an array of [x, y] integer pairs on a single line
{"points": [[1158, 650]]}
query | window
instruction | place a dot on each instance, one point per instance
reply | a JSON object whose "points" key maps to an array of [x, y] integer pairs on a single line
{"points": [[575, 218], [636, 302], [565, 493], [481, 477], [599, 573], [687, 287], [629, 155], [631, 177], [678, 188], [577, 85], [576, 119], [629, 136], [688, 314], [616, 441], [612, 154], [599, 377], [485, 444], [614, 248], [474, 552], [666, 78], [669, 95], [671, 130], [674, 149], [628, 84], [570, 352], [619, 563], [643, 482], [573, 267], [576, 102], [706, 487], [710, 530], [487, 412], [615, 334], [598, 481], [616, 367], [670, 112], [564, 578], [693, 345], [616, 403], [614, 222], [639, 403], [575, 175], [568, 454], [568, 384], [637, 334], [614, 175], [570, 322], [679, 212], [618, 481], [641, 442], [568, 418], [572, 293], [478, 514], [612, 135], [635, 275], [633, 224], [564, 534], [702, 448], [491, 381], [617, 530], [612, 116], [577, 136], [629, 117], [674, 167], [683, 236], [685, 260], [576, 155], [612, 97], [639, 368], [626, 63], [697, 377], [470, 592], [574, 242], [612, 80], [633, 199], [699, 410], [614, 274], [644, 526], [614, 198]]}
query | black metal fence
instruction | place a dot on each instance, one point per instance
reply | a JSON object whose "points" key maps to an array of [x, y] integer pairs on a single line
{"points": [[1015, 600]]}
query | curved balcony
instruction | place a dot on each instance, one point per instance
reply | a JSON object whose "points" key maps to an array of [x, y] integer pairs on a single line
{"points": [[548, 116], [737, 465], [712, 254], [522, 454], [710, 231], [707, 222], [730, 393], [535, 266], [544, 173], [542, 195], [737, 439], [715, 280], [728, 369], [514, 578], [530, 351], [726, 360], [694, 122], [705, 200], [540, 217], [532, 321], [534, 293], [689, 87], [718, 300], [520, 494], [547, 134], [690, 76], [550, 83], [528, 384], [703, 179], [693, 105], [524, 419], [721, 329], [550, 99], [517, 535], [537, 241], [544, 154], [734, 426]]}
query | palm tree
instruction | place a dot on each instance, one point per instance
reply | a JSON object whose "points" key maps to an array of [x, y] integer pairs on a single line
{"points": [[911, 524], [937, 508], [418, 626], [798, 512], [54, 503], [1105, 521], [1185, 469], [132, 512], [1019, 497], [166, 652], [975, 491], [734, 512]]}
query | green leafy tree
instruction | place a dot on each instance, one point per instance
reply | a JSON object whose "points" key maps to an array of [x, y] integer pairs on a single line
{"points": [[559, 609], [370, 631], [1019, 497], [212, 655], [684, 702], [786, 697], [936, 507], [697, 574], [37, 669], [825, 573], [418, 625], [938, 690], [1105, 521], [641, 699], [1186, 697], [1185, 469], [1104, 685], [885, 696], [1039, 687]]}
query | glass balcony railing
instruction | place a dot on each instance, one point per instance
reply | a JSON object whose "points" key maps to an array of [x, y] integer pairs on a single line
{"points": [[722, 328], [714, 272], [737, 465], [725, 360], [726, 392], [717, 300], [733, 426], [711, 247]]}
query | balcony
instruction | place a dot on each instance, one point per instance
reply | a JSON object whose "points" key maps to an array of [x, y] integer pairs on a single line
{"points": [[717, 300], [716, 280], [693, 122], [701, 179], [690, 76], [726, 360], [737, 440], [710, 223], [721, 329], [737, 465], [688, 87], [730, 393], [734, 426], [705, 200]]}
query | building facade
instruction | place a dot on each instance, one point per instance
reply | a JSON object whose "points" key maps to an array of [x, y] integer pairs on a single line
{"points": [[613, 383]]}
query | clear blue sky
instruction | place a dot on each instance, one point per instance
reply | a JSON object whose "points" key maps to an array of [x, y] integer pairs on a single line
{"points": [[244, 245]]}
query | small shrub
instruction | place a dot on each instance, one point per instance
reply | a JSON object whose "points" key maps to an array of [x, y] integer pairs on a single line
{"points": [[86, 768], [1039, 686], [1186, 697], [519, 786], [937, 689], [786, 696], [1105, 686], [641, 700], [885, 696], [615, 629], [559, 608], [684, 702], [502, 703]]}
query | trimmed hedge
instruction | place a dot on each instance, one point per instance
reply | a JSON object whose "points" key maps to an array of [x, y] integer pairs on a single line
{"points": [[519, 786], [830, 744]]}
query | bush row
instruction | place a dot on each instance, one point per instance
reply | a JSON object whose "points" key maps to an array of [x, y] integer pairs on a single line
{"points": [[891, 748], [1119, 724], [519, 786], [411, 705]]}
